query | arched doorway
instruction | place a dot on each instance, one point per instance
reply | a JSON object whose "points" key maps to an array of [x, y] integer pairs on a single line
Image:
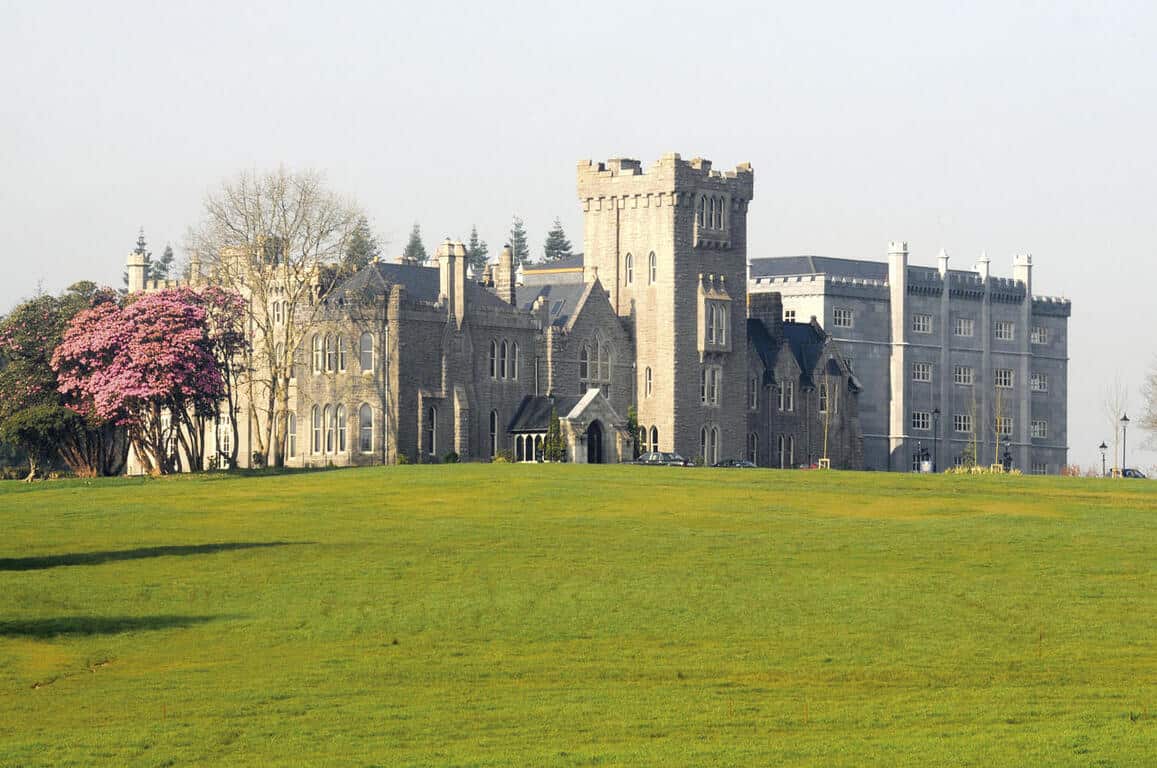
{"points": [[595, 443]]}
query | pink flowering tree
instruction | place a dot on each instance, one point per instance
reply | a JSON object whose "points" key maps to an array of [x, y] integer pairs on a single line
{"points": [[152, 366]]}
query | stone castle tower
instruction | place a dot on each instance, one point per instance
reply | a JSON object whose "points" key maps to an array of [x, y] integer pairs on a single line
{"points": [[669, 244]]}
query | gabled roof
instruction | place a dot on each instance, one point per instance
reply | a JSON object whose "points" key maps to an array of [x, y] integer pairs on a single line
{"points": [[533, 414], [804, 340], [786, 266], [421, 283], [562, 298]]}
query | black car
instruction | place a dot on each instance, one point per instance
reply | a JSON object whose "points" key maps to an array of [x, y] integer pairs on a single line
{"points": [[1134, 473], [735, 463], [662, 459]]}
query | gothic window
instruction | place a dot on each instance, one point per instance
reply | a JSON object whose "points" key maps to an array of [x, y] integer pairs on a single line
{"points": [[647, 382], [714, 445], [330, 353], [367, 352], [315, 419], [519, 454], [595, 363], [339, 417], [514, 360], [721, 323], [330, 424], [277, 312], [753, 393], [341, 356], [652, 268], [629, 268], [291, 434], [710, 323], [502, 359], [318, 358], [493, 359], [719, 213], [753, 448], [584, 365], [365, 428], [538, 448], [823, 390], [710, 382], [711, 213], [430, 438], [703, 212], [786, 445], [786, 394], [654, 438]]}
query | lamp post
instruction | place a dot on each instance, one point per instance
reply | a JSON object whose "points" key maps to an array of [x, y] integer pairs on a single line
{"points": [[1124, 441], [935, 439], [1103, 448]]}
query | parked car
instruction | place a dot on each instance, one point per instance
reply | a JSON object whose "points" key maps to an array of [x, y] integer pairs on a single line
{"points": [[662, 459], [735, 463], [1135, 473]]}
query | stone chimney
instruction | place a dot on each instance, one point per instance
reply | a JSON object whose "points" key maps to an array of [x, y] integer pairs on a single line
{"points": [[767, 307], [942, 262], [452, 278], [504, 276]]}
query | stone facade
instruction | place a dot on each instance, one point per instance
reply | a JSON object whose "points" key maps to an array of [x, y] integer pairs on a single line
{"points": [[957, 365]]}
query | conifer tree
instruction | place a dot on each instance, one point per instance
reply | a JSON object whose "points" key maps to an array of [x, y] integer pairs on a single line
{"points": [[553, 449], [362, 248], [415, 251], [518, 242], [159, 268], [557, 246], [476, 251]]}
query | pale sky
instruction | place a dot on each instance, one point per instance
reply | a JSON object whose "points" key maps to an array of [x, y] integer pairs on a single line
{"points": [[1008, 127]]}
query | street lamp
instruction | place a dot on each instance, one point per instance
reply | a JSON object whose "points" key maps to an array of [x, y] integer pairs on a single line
{"points": [[935, 439], [1103, 448], [1124, 441]]}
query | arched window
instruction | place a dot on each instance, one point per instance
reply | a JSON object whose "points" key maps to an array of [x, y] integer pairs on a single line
{"points": [[629, 269], [714, 445], [339, 416], [647, 382], [652, 268], [431, 436], [703, 212], [538, 447], [330, 427], [318, 359], [514, 360], [291, 434], [366, 351], [341, 361], [330, 353], [493, 434], [365, 428], [493, 359], [584, 364], [710, 323], [719, 214], [518, 449], [654, 438], [753, 448], [721, 323], [711, 212], [315, 419], [502, 359], [703, 444], [605, 352]]}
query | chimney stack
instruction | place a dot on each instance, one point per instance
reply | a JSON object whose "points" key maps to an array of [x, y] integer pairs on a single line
{"points": [[504, 276]]}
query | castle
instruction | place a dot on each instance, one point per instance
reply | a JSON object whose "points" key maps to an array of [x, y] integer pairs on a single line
{"points": [[404, 362]]}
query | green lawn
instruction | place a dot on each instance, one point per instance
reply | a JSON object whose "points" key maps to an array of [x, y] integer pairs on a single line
{"points": [[481, 615]]}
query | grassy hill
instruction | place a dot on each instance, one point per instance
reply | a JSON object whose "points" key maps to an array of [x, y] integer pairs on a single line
{"points": [[565, 615]]}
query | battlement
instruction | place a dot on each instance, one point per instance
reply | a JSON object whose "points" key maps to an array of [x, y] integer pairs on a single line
{"points": [[670, 176]]}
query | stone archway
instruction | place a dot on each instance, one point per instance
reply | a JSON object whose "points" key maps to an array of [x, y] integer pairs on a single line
{"points": [[595, 452]]}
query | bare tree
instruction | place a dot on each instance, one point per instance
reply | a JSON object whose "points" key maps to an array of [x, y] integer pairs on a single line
{"points": [[277, 239], [1149, 394], [1114, 404]]}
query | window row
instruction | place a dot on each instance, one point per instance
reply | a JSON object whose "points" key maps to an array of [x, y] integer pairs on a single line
{"points": [[328, 429], [503, 359], [648, 439], [629, 269], [329, 353]]}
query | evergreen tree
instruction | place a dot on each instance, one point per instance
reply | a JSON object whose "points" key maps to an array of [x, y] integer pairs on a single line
{"points": [[362, 248], [553, 449], [633, 430], [518, 242], [159, 268], [557, 247], [415, 251], [476, 252]]}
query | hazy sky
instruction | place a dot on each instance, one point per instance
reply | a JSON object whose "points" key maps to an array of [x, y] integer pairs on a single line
{"points": [[999, 126]]}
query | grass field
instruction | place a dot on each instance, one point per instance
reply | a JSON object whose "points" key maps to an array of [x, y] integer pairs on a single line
{"points": [[565, 615]]}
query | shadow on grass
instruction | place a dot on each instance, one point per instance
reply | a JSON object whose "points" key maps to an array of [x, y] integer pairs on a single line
{"points": [[97, 558], [95, 625]]}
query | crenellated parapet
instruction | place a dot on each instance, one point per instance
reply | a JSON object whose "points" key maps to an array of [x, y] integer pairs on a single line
{"points": [[670, 182]]}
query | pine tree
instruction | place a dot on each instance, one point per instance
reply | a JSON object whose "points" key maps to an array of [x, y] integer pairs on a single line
{"points": [[476, 252], [518, 242], [553, 449], [557, 247], [362, 248], [159, 268], [633, 430], [415, 251]]}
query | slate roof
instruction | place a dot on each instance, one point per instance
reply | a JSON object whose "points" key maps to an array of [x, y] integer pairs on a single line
{"points": [[804, 341], [785, 266], [533, 414], [421, 283], [574, 261], [563, 299]]}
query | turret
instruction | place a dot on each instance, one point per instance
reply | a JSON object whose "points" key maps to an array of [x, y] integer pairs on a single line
{"points": [[504, 276], [1022, 270], [942, 262], [983, 265], [137, 266]]}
